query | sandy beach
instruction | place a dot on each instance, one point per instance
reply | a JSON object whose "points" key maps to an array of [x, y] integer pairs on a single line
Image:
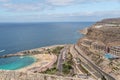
{"points": [[42, 62]]}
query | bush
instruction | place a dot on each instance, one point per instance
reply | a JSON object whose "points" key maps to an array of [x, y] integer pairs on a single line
{"points": [[57, 50], [51, 71], [66, 68]]}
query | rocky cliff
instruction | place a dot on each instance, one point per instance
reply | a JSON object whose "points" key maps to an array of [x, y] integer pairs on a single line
{"points": [[106, 31], [111, 20]]}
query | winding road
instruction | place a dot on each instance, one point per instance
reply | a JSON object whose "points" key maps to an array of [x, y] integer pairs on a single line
{"points": [[102, 73]]}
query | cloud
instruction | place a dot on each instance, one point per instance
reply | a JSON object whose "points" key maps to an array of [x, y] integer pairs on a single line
{"points": [[51, 4], [9, 5], [70, 2], [4, 0], [77, 16], [104, 13], [22, 7], [83, 14], [60, 2]]}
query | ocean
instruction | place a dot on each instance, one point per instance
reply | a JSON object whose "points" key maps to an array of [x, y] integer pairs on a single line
{"points": [[16, 37]]}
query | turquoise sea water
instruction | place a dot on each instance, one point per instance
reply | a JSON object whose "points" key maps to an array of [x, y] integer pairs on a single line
{"points": [[15, 37], [13, 63]]}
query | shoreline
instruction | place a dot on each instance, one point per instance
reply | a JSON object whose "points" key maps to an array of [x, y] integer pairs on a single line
{"points": [[20, 53], [42, 61]]}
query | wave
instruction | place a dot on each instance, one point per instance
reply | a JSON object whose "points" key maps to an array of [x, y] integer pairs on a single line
{"points": [[2, 51]]}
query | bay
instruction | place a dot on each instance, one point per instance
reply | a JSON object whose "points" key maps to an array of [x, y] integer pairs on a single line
{"points": [[15, 37]]}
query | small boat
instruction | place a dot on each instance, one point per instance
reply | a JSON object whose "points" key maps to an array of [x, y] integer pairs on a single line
{"points": [[2, 51]]}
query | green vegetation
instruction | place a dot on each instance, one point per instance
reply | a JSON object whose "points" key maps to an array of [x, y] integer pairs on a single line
{"points": [[69, 58], [56, 51], [67, 65], [66, 68], [51, 71], [48, 50], [103, 78]]}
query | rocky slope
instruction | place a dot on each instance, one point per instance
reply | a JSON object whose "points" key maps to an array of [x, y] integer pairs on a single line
{"points": [[15, 75], [101, 38], [106, 31], [111, 20]]}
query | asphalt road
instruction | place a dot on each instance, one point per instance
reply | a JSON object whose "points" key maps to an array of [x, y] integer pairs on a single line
{"points": [[61, 59], [107, 76]]}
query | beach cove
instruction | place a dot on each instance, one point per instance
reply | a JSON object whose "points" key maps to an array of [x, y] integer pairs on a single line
{"points": [[30, 60]]}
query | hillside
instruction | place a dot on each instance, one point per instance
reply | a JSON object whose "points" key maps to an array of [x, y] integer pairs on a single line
{"points": [[111, 20], [102, 38], [106, 31]]}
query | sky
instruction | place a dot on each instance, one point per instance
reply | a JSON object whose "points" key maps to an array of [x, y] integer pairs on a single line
{"points": [[58, 10]]}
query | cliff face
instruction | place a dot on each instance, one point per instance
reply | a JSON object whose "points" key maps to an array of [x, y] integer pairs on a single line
{"points": [[105, 35], [105, 32]]}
